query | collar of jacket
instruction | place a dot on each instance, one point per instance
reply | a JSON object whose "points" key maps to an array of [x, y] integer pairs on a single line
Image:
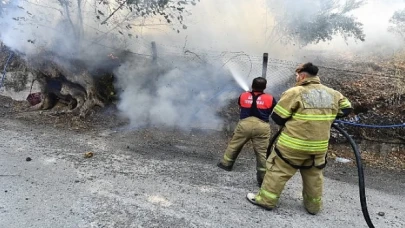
{"points": [[256, 92], [309, 80]]}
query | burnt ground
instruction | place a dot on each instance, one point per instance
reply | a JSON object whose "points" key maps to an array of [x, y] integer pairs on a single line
{"points": [[158, 177]]}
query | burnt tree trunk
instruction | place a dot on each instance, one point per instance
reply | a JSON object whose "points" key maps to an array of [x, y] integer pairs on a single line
{"points": [[71, 83], [90, 95], [80, 97]]}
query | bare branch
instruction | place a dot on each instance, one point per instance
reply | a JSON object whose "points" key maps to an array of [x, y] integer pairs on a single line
{"points": [[119, 7], [44, 6]]}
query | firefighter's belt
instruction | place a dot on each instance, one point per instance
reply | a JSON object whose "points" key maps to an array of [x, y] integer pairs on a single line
{"points": [[302, 166]]}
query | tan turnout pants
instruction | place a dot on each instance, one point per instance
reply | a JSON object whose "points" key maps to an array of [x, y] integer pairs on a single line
{"points": [[258, 132], [279, 172]]}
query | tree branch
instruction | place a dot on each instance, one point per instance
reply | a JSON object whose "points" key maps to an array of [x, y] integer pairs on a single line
{"points": [[119, 7], [44, 6]]}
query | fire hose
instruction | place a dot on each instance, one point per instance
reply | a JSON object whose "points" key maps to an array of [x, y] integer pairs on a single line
{"points": [[360, 172]]}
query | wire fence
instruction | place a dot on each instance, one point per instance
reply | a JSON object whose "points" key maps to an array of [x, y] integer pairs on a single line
{"points": [[375, 88]]}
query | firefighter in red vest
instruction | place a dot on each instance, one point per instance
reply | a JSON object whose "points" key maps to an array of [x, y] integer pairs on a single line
{"points": [[255, 109]]}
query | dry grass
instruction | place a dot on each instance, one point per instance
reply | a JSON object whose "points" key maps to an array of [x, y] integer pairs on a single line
{"points": [[391, 161]]}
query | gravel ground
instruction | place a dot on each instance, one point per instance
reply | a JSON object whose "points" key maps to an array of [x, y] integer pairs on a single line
{"points": [[158, 178]]}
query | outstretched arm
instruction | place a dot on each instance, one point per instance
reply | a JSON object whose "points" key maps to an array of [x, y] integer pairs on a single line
{"points": [[345, 107]]}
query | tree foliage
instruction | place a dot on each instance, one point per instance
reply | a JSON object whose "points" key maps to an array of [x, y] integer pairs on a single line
{"points": [[78, 17], [311, 21], [171, 11], [398, 23]]}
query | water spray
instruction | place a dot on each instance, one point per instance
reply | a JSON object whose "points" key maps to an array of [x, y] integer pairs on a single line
{"points": [[238, 78]]}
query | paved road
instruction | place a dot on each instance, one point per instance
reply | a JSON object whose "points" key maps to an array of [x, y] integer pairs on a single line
{"points": [[154, 179]]}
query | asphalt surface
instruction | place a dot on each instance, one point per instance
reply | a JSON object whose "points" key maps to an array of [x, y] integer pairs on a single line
{"points": [[162, 178]]}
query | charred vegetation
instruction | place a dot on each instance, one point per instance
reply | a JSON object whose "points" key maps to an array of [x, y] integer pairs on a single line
{"points": [[74, 83]]}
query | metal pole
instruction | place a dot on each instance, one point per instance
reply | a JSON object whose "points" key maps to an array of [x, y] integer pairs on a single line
{"points": [[154, 52], [265, 61]]}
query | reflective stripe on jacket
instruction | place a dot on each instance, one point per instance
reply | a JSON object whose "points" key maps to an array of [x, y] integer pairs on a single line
{"points": [[310, 108]]}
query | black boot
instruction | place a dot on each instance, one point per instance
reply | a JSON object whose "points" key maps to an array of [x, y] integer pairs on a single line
{"points": [[224, 167], [259, 180]]}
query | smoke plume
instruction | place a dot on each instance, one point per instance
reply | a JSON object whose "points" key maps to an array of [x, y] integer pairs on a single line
{"points": [[180, 91], [174, 93]]}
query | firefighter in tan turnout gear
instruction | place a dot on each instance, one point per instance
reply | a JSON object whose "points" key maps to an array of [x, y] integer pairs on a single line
{"points": [[307, 112], [255, 109]]}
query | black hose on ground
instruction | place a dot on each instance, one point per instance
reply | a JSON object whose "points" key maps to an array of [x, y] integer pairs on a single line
{"points": [[360, 172], [362, 189]]}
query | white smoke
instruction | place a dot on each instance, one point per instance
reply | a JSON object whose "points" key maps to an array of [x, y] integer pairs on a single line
{"points": [[70, 30], [240, 25], [179, 94], [375, 16], [175, 92]]}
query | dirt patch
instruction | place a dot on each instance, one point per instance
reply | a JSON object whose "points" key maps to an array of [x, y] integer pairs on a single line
{"points": [[98, 117], [166, 145], [109, 118]]}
